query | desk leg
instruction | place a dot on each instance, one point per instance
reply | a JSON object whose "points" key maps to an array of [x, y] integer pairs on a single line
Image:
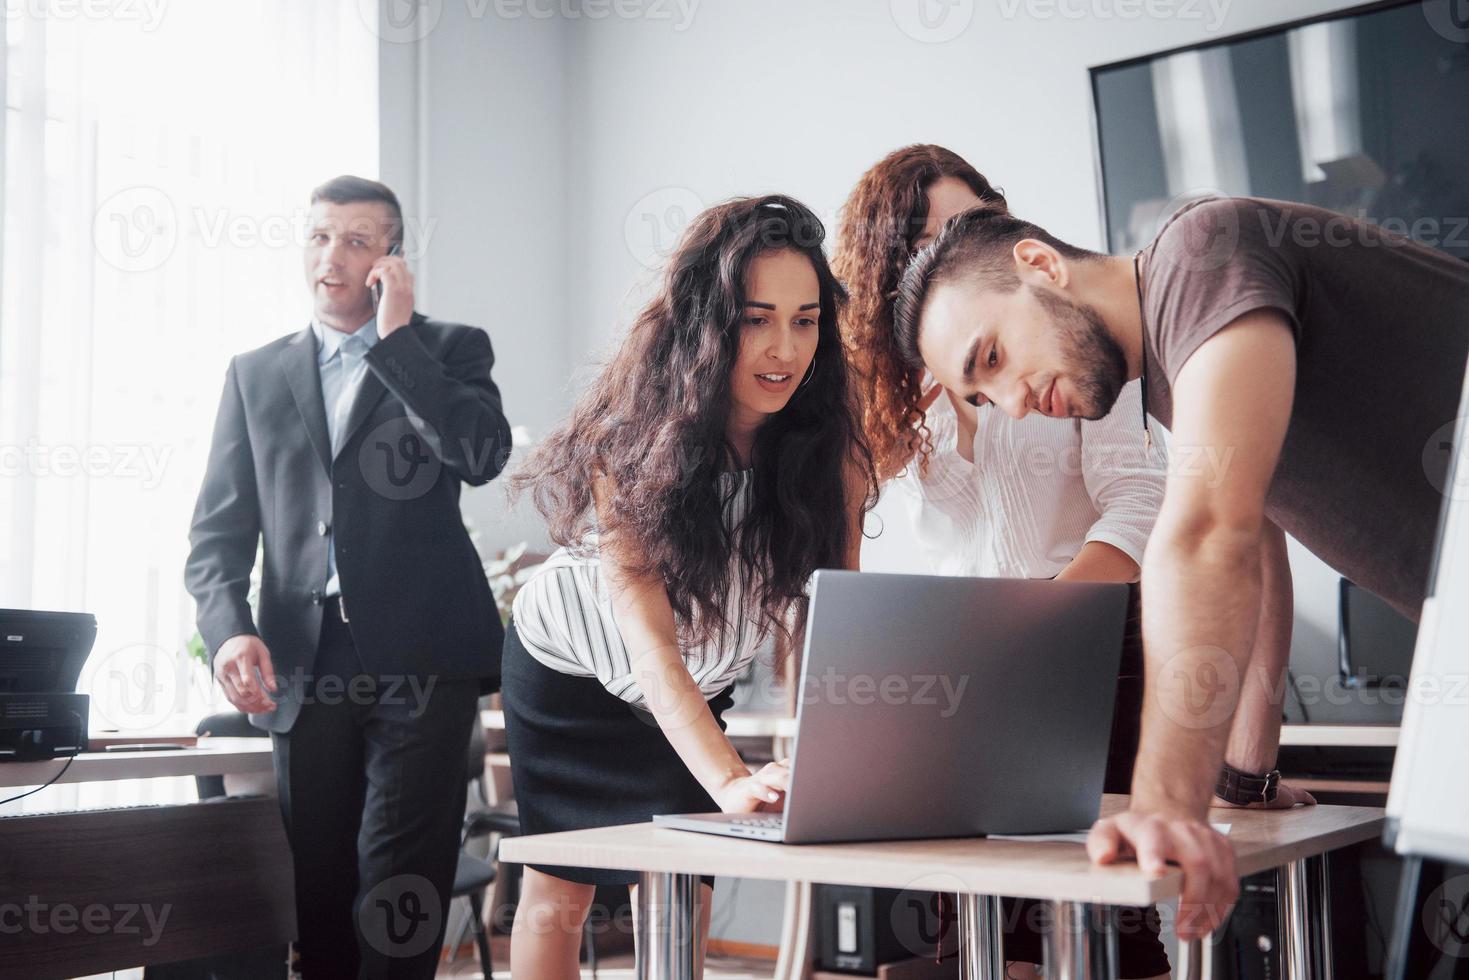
{"points": [[796, 933], [1081, 943], [1320, 871], [1304, 891], [981, 938], [667, 940]]}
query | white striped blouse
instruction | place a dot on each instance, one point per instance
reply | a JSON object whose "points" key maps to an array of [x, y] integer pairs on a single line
{"points": [[563, 615], [1039, 488]]}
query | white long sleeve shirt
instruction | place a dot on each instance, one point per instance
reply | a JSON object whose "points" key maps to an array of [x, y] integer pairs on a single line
{"points": [[1038, 489]]}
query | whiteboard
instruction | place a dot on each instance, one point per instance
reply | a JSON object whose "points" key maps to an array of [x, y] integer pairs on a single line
{"points": [[1428, 804]]}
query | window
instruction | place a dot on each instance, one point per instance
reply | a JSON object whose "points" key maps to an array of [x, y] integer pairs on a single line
{"points": [[157, 164]]}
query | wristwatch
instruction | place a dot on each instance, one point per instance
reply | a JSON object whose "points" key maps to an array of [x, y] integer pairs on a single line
{"points": [[1242, 788]]}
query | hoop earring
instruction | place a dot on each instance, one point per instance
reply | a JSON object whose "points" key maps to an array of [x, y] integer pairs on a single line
{"points": [[810, 373]]}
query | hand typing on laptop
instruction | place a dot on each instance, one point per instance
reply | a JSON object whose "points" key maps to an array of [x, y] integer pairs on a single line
{"points": [[762, 791]]}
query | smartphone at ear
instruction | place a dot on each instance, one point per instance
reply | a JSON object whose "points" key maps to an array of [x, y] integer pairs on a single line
{"points": [[377, 288]]}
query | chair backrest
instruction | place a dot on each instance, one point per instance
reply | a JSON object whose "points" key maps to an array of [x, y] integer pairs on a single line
{"points": [[474, 763], [231, 724]]}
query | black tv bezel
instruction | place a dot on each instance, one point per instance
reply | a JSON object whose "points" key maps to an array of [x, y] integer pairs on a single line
{"points": [[1093, 70]]}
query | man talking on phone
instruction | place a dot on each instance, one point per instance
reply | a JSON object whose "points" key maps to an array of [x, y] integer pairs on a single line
{"points": [[342, 447]]}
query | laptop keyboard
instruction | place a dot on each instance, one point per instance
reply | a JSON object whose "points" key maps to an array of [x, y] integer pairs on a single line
{"points": [[773, 822]]}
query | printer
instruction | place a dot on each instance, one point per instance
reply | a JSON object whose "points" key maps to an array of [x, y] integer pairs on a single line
{"points": [[41, 658]]}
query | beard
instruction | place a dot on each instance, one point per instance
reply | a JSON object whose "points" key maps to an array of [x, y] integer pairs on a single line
{"points": [[1091, 359]]}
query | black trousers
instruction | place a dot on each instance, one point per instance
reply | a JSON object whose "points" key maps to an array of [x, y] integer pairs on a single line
{"points": [[372, 781]]}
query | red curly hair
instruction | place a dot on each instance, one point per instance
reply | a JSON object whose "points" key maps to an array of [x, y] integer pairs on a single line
{"points": [[881, 219]]}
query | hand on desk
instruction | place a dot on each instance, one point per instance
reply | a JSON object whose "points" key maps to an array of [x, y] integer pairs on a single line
{"points": [[243, 670], [762, 791], [1210, 883]]}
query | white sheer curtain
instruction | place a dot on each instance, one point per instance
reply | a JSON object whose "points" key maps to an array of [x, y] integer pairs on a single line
{"points": [[158, 157]]}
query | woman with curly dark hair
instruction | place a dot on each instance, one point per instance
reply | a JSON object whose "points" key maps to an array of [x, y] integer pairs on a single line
{"points": [[715, 464], [989, 494]]}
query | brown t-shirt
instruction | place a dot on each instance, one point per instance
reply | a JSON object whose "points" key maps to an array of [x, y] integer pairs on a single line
{"points": [[1382, 335]]}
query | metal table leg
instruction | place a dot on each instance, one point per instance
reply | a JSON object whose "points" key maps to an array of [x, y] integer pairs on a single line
{"points": [[981, 938], [1320, 871], [1081, 943], [667, 937], [1296, 920]]}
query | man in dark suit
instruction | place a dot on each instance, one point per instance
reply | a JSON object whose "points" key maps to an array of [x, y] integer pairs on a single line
{"points": [[343, 446]]}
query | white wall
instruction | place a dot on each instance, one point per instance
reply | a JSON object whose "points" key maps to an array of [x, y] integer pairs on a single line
{"points": [[474, 121]]}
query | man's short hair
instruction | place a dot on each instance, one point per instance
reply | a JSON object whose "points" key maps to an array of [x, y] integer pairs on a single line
{"points": [[348, 189], [977, 246]]}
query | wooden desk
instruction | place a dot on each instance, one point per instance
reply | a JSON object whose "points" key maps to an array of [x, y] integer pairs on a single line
{"points": [[92, 891], [1081, 895], [741, 724], [212, 757]]}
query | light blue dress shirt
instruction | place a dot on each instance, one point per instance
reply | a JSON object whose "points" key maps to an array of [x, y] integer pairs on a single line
{"points": [[341, 358]]}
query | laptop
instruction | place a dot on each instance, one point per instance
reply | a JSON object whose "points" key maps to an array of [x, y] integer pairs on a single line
{"points": [[937, 706]]}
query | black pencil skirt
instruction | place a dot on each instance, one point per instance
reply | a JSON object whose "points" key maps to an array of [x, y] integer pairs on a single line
{"points": [[1139, 945], [581, 757]]}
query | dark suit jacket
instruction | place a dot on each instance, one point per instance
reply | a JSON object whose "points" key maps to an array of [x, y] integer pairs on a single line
{"points": [[426, 418]]}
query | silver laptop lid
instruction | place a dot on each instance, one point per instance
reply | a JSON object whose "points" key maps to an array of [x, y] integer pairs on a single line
{"points": [[935, 706]]}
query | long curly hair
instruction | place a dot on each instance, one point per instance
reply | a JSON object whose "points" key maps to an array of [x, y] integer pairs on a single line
{"points": [[881, 219], [655, 423]]}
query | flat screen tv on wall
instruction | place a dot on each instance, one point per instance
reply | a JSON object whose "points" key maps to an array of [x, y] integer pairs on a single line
{"points": [[1364, 111]]}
